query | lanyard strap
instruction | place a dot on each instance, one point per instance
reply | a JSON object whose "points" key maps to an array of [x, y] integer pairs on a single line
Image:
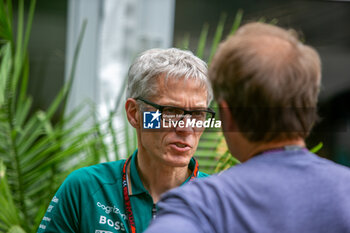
{"points": [[127, 199], [195, 170], [127, 202]]}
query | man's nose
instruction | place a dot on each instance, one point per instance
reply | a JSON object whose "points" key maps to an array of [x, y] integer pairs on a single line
{"points": [[186, 128]]}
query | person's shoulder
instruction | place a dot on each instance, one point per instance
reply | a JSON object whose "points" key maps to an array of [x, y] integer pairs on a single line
{"points": [[108, 172], [198, 187], [331, 169], [204, 198]]}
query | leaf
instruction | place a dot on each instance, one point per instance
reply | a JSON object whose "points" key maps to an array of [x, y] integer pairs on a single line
{"points": [[16, 229], [38, 154], [8, 214], [317, 148], [5, 21], [202, 41], [225, 159], [217, 36], [184, 44], [237, 21], [5, 68], [111, 130]]}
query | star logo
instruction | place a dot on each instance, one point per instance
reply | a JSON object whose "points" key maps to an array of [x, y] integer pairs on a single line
{"points": [[155, 115], [151, 120]]}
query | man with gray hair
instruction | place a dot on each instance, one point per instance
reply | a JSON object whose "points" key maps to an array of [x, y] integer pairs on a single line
{"points": [[165, 86], [266, 83]]}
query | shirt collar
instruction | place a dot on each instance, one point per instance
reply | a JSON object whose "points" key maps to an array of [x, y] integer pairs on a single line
{"points": [[136, 183]]}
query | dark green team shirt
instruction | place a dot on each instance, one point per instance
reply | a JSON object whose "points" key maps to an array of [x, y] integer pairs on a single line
{"points": [[91, 200]]}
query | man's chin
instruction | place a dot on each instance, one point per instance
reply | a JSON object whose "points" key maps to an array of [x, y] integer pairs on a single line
{"points": [[175, 160]]}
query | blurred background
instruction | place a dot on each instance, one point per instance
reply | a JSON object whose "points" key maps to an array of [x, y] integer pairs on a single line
{"points": [[117, 30], [62, 83]]}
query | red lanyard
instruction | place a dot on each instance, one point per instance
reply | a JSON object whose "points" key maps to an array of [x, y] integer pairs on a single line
{"points": [[127, 202], [127, 199]]}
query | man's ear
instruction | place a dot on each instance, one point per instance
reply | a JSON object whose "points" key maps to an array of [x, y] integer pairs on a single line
{"points": [[132, 112], [228, 122]]}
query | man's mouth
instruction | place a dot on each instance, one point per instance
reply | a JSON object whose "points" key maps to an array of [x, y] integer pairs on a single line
{"points": [[180, 145]]}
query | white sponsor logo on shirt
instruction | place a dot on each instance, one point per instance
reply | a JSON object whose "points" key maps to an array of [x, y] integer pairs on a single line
{"points": [[46, 219], [55, 199], [49, 209], [110, 209], [116, 225]]}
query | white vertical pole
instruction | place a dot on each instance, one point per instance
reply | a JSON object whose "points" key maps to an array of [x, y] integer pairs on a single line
{"points": [[86, 76]]}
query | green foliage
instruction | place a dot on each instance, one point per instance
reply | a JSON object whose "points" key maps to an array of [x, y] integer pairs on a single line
{"points": [[237, 22], [226, 160], [202, 40], [212, 153], [217, 37], [317, 148], [9, 217], [36, 154], [126, 137]]}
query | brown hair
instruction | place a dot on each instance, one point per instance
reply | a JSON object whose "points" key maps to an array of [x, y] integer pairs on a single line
{"points": [[270, 80]]}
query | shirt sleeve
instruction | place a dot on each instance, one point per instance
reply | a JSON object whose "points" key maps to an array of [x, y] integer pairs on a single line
{"points": [[64, 210], [182, 210]]}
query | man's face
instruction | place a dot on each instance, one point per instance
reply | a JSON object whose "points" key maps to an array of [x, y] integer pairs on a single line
{"points": [[174, 146]]}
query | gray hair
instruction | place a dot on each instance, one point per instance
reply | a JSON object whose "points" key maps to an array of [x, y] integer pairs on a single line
{"points": [[172, 63]]}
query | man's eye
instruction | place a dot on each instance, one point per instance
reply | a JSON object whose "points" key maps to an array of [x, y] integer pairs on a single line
{"points": [[172, 111], [197, 113]]}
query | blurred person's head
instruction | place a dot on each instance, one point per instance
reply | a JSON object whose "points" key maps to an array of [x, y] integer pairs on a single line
{"points": [[167, 77], [267, 83]]}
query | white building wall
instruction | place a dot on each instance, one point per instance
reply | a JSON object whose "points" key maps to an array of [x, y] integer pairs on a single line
{"points": [[85, 86], [130, 27], [117, 31]]}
